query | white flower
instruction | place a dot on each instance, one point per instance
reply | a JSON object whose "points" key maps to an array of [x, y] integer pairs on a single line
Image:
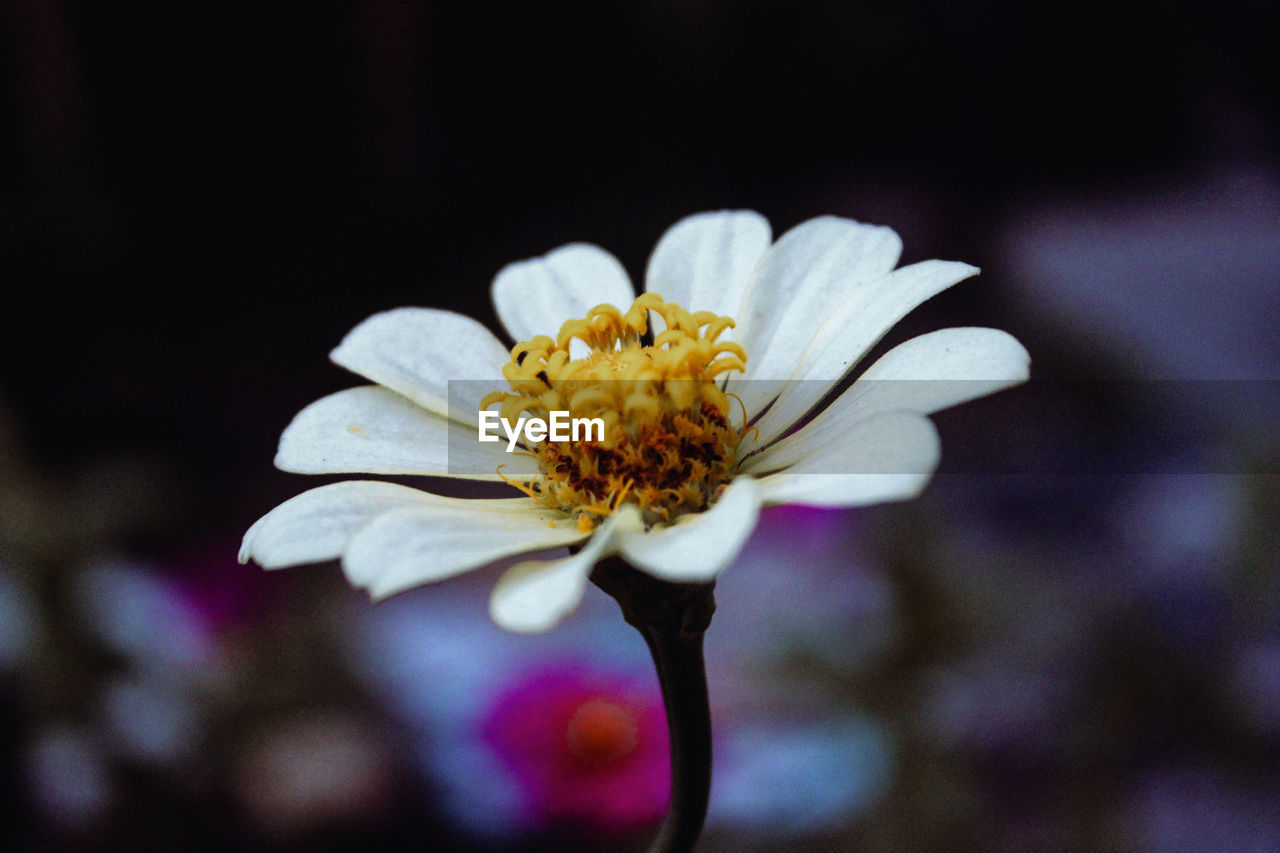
{"points": [[807, 308]]}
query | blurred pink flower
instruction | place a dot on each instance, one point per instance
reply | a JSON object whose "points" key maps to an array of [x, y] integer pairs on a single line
{"points": [[588, 750]]}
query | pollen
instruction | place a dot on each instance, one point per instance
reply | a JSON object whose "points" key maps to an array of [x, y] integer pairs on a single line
{"points": [[668, 445]]}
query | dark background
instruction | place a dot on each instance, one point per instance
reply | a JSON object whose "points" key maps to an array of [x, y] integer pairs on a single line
{"points": [[197, 202]]}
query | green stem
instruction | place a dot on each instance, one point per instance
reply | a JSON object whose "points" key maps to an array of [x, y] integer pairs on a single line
{"points": [[673, 618]]}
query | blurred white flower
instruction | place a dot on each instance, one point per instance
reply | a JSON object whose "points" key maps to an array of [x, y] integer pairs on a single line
{"points": [[786, 778], [151, 719], [316, 770], [673, 487], [139, 612], [20, 627], [67, 776]]}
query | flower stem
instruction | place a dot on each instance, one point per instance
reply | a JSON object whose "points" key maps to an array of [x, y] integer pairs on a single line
{"points": [[673, 618]]}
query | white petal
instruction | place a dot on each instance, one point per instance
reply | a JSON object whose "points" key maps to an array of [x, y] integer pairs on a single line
{"points": [[798, 283], [417, 351], [884, 458], [537, 296], [925, 374], [932, 372], [375, 431], [841, 490], [854, 326], [704, 262], [417, 545], [844, 440], [698, 546], [533, 597], [316, 525]]}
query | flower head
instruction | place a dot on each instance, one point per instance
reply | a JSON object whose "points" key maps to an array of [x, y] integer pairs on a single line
{"points": [[709, 389]]}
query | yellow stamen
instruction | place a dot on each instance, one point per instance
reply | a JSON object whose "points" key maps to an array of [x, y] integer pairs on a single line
{"points": [[667, 446], [522, 487], [742, 432]]}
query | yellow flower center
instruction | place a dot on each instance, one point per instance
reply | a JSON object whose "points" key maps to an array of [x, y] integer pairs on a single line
{"points": [[667, 446]]}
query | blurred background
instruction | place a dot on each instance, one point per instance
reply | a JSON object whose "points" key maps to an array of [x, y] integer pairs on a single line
{"points": [[1071, 641]]}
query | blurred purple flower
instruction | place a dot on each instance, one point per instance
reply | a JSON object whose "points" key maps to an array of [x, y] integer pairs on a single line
{"points": [[1253, 686], [1182, 529], [1186, 278], [20, 627], [997, 706], [802, 586], [1188, 809]]}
